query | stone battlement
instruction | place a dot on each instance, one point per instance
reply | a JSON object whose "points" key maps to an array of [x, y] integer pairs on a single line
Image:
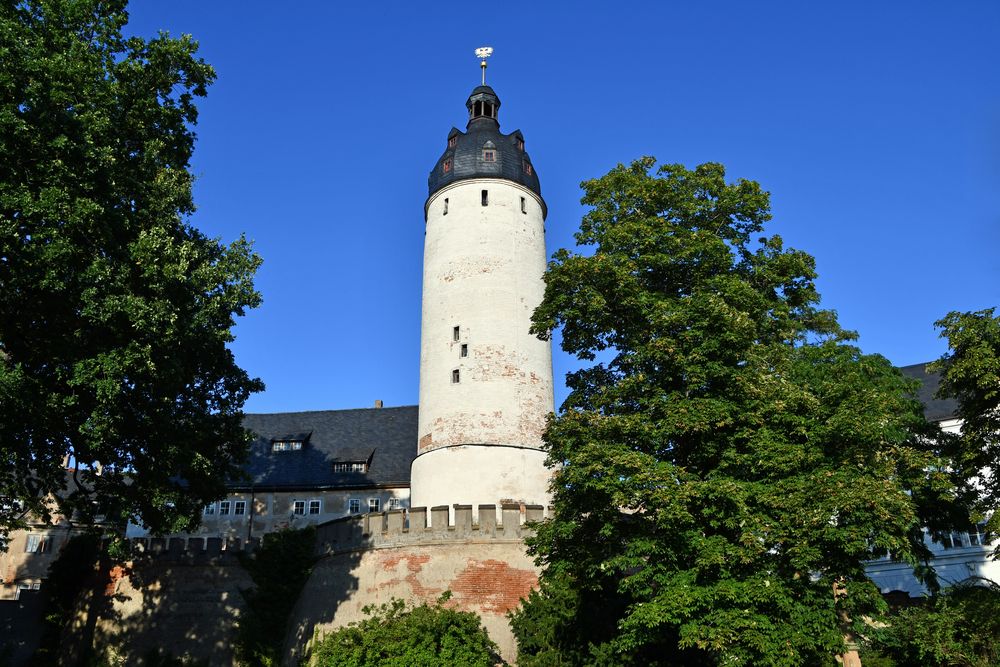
{"points": [[419, 525], [210, 549], [391, 528]]}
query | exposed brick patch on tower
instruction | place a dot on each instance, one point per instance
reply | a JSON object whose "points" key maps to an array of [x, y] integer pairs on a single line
{"points": [[492, 586], [414, 564]]}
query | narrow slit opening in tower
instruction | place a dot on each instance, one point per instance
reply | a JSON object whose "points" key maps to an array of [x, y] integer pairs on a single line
{"points": [[486, 197], [456, 332], [524, 205], [445, 212], [455, 376], [465, 350]]}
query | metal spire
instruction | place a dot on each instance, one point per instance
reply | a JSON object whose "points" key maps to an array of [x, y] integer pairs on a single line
{"points": [[484, 52]]}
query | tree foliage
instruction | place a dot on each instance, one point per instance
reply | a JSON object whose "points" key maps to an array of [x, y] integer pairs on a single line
{"points": [[727, 457], [115, 312], [279, 569], [959, 628], [970, 373], [396, 636]]}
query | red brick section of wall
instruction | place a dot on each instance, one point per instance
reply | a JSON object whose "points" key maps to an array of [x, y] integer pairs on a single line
{"points": [[492, 585]]}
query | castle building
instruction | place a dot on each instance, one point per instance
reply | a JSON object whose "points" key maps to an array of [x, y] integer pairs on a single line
{"points": [[485, 381], [409, 503]]}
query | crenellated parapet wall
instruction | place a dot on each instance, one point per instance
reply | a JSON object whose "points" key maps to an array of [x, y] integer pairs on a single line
{"points": [[376, 530], [416, 555], [423, 526], [192, 550], [187, 591]]}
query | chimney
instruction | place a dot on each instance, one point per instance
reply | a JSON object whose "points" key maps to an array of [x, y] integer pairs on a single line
{"points": [[378, 404]]}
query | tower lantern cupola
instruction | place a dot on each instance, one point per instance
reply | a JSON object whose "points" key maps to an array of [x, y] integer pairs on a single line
{"points": [[483, 105]]}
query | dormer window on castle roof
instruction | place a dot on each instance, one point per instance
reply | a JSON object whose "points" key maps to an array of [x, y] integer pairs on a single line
{"points": [[289, 443], [489, 152], [350, 466]]}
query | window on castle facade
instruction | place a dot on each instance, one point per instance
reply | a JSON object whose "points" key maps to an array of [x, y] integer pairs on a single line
{"points": [[489, 156], [455, 376], [26, 586], [446, 166], [464, 350], [314, 507], [224, 507], [520, 144], [956, 539], [240, 508], [37, 544], [209, 509], [456, 333], [374, 504], [486, 197], [299, 507], [354, 505], [452, 141], [527, 168], [395, 504]]}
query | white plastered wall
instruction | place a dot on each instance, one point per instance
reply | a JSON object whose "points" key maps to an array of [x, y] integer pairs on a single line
{"points": [[479, 437]]}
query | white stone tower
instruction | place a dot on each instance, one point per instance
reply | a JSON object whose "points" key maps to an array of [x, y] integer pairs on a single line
{"points": [[485, 382]]}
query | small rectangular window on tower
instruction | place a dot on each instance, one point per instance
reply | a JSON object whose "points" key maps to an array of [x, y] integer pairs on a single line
{"points": [[445, 206], [456, 333], [489, 156], [455, 377], [524, 205], [486, 197], [465, 350], [446, 167]]}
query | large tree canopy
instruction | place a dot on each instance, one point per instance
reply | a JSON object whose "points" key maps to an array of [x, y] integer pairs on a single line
{"points": [[727, 458], [970, 373], [114, 311]]}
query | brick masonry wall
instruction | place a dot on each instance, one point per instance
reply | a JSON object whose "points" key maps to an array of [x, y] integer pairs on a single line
{"points": [[185, 595], [485, 565]]}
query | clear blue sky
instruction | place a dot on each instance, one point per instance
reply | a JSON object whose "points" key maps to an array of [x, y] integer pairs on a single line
{"points": [[874, 125]]}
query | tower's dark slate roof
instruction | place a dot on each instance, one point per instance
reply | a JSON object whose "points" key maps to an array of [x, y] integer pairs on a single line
{"points": [[935, 409], [512, 163], [384, 437]]}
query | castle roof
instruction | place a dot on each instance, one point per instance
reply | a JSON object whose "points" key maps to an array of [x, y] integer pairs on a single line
{"points": [[384, 439], [935, 409], [466, 156]]}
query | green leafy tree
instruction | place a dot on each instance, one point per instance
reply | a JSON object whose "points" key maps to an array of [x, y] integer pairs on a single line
{"points": [[726, 457], [115, 312], [396, 636], [958, 628], [279, 569], [970, 373]]}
